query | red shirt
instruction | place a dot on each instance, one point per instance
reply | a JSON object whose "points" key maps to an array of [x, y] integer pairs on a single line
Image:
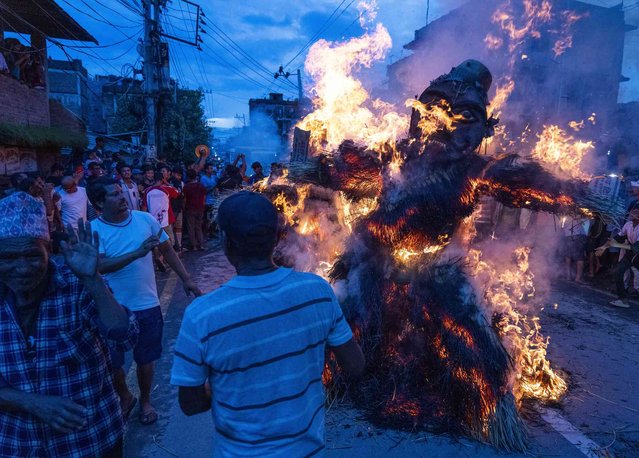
{"points": [[194, 194]]}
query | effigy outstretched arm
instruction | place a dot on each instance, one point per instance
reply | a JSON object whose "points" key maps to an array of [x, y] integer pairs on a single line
{"points": [[524, 184], [353, 170]]}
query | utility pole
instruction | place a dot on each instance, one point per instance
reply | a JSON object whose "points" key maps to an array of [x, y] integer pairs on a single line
{"points": [[151, 70], [156, 72]]}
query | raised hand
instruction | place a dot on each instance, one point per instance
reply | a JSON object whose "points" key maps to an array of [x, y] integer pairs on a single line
{"points": [[149, 244], [81, 250]]}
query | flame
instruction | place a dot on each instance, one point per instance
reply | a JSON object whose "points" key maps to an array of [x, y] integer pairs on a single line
{"points": [[564, 42], [505, 289], [434, 117], [560, 152], [516, 27], [502, 94], [343, 107]]}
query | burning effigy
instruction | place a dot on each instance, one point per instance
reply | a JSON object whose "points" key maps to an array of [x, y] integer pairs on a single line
{"points": [[383, 208]]}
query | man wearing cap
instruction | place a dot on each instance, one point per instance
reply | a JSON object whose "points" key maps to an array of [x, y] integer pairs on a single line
{"points": [[259, 342], [56, 393]]}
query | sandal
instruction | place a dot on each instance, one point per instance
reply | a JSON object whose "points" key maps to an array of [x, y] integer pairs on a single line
{"points": [[148, 418], [127, 412]]}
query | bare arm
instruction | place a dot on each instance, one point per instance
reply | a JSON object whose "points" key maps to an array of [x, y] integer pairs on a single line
{"points": [[109, 265], [175, 263], [350, 358], [194, 399], [199, 166]]}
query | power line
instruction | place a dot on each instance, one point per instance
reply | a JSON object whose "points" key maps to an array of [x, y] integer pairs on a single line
{"points": [[326, 25]]}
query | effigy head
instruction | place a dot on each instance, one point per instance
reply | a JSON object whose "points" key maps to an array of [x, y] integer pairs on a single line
{"points": [[463, 93]]}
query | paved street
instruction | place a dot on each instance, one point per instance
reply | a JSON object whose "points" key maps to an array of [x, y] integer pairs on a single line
{"points": [[595, 344]]}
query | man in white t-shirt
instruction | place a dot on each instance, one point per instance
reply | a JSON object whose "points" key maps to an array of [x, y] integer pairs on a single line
{"points": [[73, 202], [126, 239], [259, 341]]}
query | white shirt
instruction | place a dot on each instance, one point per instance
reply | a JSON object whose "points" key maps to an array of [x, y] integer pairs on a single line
{"points": [[131, 195], [630, 231], [73, 206], [134, 285], [157, 202]]}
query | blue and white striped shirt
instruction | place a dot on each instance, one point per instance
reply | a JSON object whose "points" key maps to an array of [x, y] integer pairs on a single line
{"points": [[261, 341]]}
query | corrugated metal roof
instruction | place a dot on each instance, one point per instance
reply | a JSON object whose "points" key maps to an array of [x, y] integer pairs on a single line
{"points": [[44, 16]]}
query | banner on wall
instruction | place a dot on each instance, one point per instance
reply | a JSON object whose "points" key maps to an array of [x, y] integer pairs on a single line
{"points": [[13, 160]]}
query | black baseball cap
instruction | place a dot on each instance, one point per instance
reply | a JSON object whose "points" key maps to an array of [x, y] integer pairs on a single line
{"points": [[248, 217]]}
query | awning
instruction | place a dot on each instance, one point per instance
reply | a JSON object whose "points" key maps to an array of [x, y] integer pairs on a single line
{"points": [[41, 16]]}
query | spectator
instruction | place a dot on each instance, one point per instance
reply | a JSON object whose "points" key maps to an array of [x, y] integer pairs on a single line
{"points": [[97, 154], [574, 246], [129, 187], [126, 239], [55, 177], [233, 176], [258, 173], [95, 172], [209, 181], [177, 206], [260, 341], [15, 179], [597, 236], [73, 202], [78, 176], [149, 177], [158, 200], [194, 208], [56, 393], [629, 234]]}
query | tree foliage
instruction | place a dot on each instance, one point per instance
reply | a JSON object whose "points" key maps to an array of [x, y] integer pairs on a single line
{"points": [[183, 125]]}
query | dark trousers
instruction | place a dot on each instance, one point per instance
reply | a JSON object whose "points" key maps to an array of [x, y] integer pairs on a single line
{"points": [[620, 271], [194, 223]]}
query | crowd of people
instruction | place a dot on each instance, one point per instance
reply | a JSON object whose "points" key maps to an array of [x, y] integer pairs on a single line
{"points": [[181, 197], [78, 291], [23, 63], [79, 250]]}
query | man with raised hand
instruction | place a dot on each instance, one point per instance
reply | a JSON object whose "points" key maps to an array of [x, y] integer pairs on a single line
{"points": [[56, 392]]}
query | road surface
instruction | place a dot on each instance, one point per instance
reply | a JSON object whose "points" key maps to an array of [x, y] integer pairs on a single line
{"points": [[595, 344]]}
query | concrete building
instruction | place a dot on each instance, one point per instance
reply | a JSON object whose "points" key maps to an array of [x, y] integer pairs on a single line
{"points": [[549, 88], [273, 111], [33, 129], [68, 84]]}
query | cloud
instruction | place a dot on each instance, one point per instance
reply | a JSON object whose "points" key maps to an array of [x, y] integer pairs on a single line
{"points": [[271, 32]]}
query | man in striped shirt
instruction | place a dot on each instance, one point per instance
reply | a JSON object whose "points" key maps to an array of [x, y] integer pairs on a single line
{"points": [[259, 340]]}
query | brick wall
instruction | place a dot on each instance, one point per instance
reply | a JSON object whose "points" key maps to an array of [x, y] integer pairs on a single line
{"points": [[22, 105]]}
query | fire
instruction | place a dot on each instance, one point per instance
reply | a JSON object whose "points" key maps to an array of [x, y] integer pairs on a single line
{"points": [[564, 42], [560, 152], [505, 289], [343, 107], [502, 94], [519, 27], [434, 117]]}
